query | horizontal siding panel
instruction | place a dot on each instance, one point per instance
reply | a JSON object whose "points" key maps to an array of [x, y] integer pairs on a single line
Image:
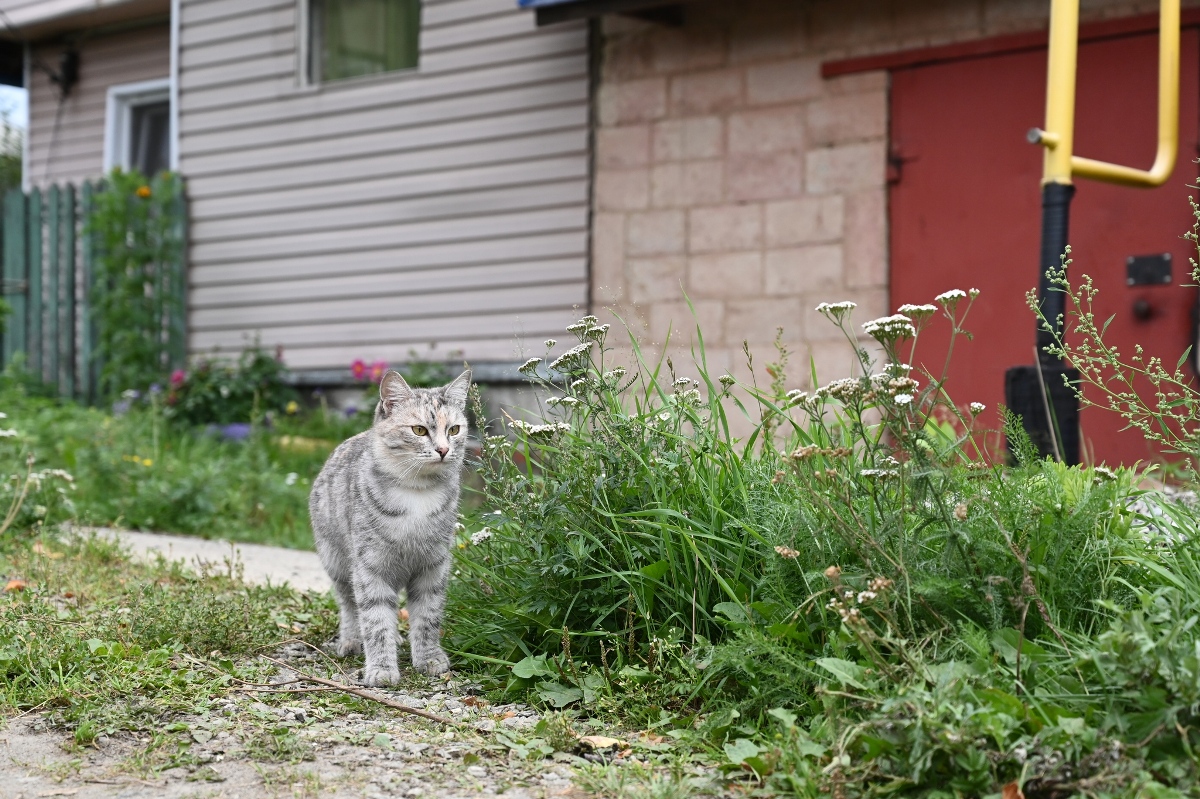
{"points": [[365, 218], [454, 321], [511, 344], [398, 120], [364, 163], [342, 194], [443, 231], [512, 250], [197, 13], [398, 95], [349, 218], [419, 142], [380, 308], [413, 282]]}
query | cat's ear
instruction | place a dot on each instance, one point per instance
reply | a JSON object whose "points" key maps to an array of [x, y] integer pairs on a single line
{"points": [[456, 391], [392, 391]]}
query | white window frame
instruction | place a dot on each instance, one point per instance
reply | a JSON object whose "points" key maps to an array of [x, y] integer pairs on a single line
{"points": [[122, 99]]}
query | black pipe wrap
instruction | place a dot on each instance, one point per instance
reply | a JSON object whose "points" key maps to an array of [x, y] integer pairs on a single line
{"points": [[1056, 217]]}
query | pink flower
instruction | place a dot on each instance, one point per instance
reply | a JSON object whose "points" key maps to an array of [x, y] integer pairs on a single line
{"points": [[177, 377], [378, 369], [358, 369]]}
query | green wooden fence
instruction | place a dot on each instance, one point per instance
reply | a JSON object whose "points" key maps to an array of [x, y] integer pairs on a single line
{"points": [[50, 283]]}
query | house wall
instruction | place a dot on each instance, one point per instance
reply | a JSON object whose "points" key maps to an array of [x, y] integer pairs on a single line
{"points": [[372, 217], [67, 145], [727, 167]]}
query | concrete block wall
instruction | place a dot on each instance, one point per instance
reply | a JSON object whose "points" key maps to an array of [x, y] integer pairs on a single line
{"points": [[726, 167]]}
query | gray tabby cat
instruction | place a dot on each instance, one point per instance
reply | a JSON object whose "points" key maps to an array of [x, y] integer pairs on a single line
{"points": [[383, 513]]}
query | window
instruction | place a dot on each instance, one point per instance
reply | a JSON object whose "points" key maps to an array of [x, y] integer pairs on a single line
{"points": [[138, 133], [351, 38]]}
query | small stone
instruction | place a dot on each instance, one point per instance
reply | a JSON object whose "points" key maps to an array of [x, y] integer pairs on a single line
{"points": [[477, 771], [486, 725]]}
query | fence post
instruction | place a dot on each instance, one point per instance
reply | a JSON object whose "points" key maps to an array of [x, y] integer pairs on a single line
{"points": [[87, 384], [66, 330], [16, 274], [53, 285], [35, 346]]}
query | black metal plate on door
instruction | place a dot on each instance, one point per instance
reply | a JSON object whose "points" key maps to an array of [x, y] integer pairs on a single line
{"points": [[1148, 270]]}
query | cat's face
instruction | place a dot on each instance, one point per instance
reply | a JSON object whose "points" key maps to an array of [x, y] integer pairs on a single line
{"points": [[421, 429]]}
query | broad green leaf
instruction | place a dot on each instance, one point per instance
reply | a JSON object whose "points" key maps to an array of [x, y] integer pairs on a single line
{"points": [[845, 671], [532, 666], [557, 694], [739, 750]]}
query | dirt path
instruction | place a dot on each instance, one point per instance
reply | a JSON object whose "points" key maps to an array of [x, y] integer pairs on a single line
{"points": [[310, 752]]}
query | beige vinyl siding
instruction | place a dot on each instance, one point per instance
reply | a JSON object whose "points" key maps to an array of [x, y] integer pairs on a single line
{"points": [[70, 147], [372, 217]]}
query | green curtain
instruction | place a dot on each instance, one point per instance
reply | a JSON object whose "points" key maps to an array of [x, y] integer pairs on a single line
{"points": [[365, 37]]}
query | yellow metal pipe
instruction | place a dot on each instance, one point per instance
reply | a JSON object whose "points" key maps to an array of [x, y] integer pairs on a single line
{"points": [[1060, 162]]}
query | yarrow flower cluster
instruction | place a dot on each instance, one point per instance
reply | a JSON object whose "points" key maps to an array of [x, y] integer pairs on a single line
{"points": [[836, 311], [890, 328], [481, 536], [726, 381], [890, 467], [573, 357], [977, 408], [787, 552], [845, 390], [953, 295], [903, 399], [918, 312], [530, 366], [845, 600], [569, 402], [615, 374], [541, 430]]}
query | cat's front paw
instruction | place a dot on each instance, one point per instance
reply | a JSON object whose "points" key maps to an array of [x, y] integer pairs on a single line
{"points": [[376, 676], [348, 646], [433, 662]]}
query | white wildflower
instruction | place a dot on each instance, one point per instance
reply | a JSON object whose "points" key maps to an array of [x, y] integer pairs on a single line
{"points": [[614, 375], [726, 380], [879, 473], [977, 408], [576, 327], [3, 415], [550, 343], [890, 328], [787, 552], [664, 417], [541, 429], [481, 536], [845, 390], [974, 293], [903, 399], [596, 332], [578, 384], [9, 433], [917, 311], [529, 366], [682, 382], [291, 479], [39, 510], [836, 310], [951, 296], [572, 357], [589, 320], [865, 596]]}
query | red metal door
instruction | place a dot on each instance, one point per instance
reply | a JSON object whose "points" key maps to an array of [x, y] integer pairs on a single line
{"points": [[965, 211]]}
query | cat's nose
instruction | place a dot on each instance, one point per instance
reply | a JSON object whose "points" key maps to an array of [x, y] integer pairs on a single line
{"points": [[442, 451]]}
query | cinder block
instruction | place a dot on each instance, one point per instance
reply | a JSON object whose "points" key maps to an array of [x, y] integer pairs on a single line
{"points": [[622, 147], [866, 239], [622, 189], [655, 233], [765, 177], [706, 92], [643, 100], [654, 280], [689, 48], [872, 304], [805, 220], [845, 168], [724, 228], [687, 184], [768, 131], [756, 321], [721, 275], [766, 31], [793, 81], [678, 319], [847, 118], [608, 257], [695, 137], [799, 270]]}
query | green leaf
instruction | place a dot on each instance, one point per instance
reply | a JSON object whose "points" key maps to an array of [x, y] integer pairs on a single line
{"points": [[382, 740], [1184, 357], [846, 672], [732, 611], [532, 666], [739, 750], [557, 694], [786, 717]]}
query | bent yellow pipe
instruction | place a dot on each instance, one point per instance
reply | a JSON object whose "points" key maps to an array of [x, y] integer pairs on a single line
{"points": [[1061, 164]]}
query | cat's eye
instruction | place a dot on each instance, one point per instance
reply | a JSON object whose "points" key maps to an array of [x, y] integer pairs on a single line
{"points": [[453, 430], [419, 430]]}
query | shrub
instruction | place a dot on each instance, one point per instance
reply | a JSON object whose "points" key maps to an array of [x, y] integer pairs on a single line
{"points": [[216, 392]]}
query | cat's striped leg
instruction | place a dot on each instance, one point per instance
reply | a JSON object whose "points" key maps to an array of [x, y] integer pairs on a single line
{"points": [[377, 624], [426, 592], [349, 639]]}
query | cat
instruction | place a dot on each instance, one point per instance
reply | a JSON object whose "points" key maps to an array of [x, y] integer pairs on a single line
{"points": [[383, 510]]}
